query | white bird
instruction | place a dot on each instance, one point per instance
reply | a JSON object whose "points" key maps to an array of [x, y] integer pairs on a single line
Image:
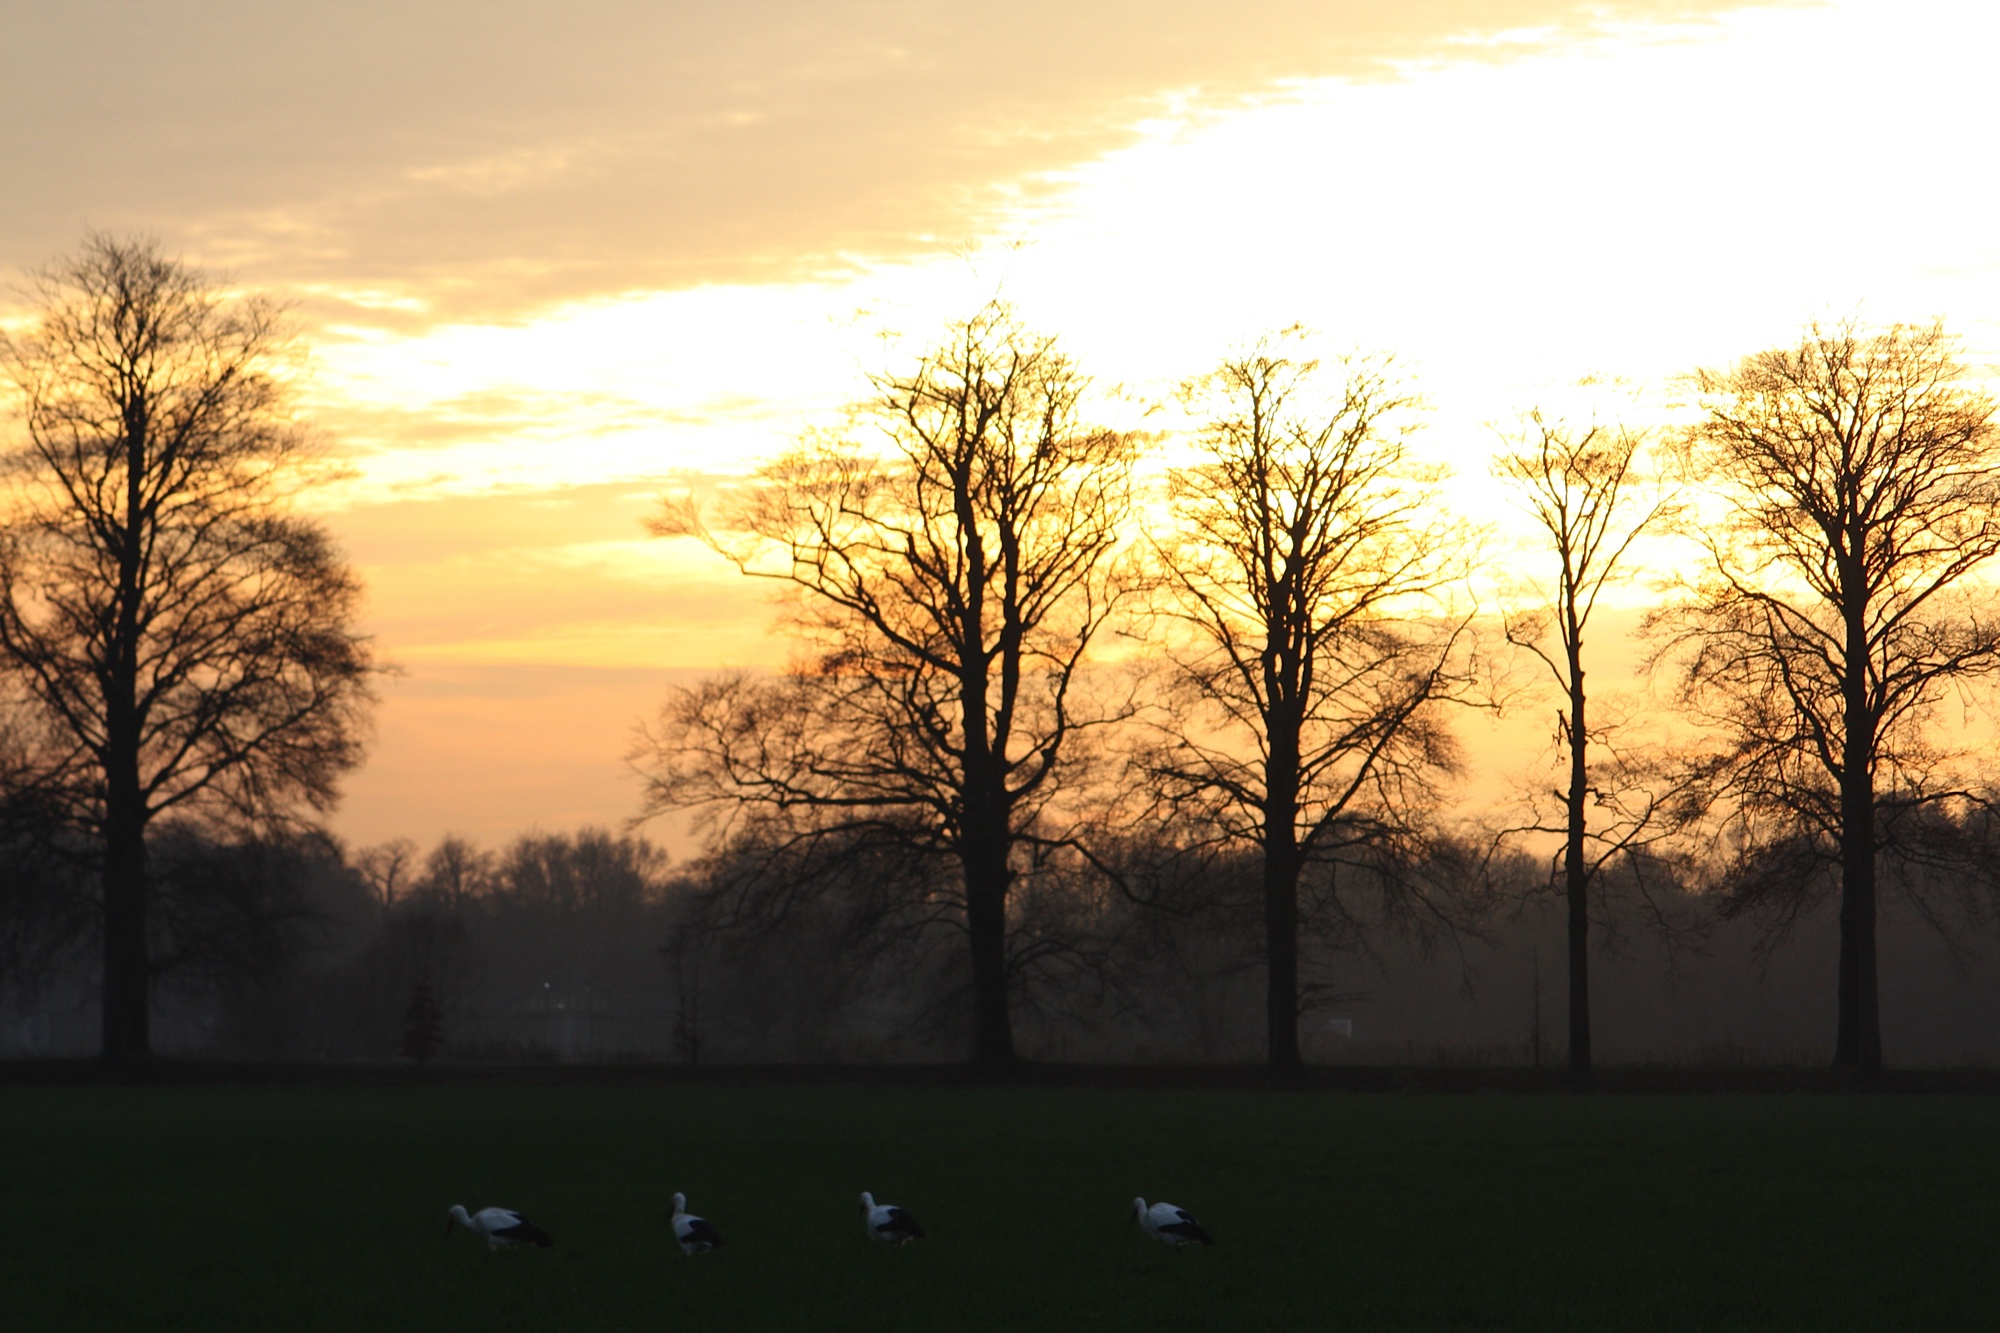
{"points": [[885, 1221], [500, 1226], [693, 1233], [1168, 1224]]}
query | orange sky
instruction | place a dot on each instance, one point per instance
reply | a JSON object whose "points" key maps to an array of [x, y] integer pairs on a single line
{"points": [[555, 261]]}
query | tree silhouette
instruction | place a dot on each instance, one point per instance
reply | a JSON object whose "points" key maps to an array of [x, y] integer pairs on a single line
{"points": [[1305, 574], [1579, 486], [387, 869], [1856, 481], [184, 640], [954, 574]]}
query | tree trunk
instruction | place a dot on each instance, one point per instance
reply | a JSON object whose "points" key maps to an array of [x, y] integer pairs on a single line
{"points": [[986, 921], [1858, 1042], [1281, 950], [1281, 904], [1576, 879], [987, 879], [127, 966], [128, 971]]}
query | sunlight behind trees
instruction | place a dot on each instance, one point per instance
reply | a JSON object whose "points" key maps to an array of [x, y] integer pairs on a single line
{"points": [[1844, 599], [1585, 488], [955, 555], [1312, 568], [541, 286]]}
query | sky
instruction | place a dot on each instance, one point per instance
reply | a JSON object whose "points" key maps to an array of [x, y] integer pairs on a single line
{"points": [[556, 262]]}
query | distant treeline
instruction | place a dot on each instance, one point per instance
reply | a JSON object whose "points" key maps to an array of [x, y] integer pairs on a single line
{"points": [[590, 946]]}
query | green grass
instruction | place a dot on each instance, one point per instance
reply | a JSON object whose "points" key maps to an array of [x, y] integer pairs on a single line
{"points": [[284, 1208]]}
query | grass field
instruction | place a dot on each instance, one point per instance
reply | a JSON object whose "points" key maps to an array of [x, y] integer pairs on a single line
{"points": [[303, 1207]]}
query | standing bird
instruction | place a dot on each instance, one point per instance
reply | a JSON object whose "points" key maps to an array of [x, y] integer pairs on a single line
{"points": [[693, 1233], [500, 1226], [1168, 1224], [885, 1221]]}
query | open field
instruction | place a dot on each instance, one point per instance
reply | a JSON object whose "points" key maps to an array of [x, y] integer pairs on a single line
{"points": [[321, 1207]]}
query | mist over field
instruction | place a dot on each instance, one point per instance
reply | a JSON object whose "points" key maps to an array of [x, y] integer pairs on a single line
{"points": [[576, 948]]}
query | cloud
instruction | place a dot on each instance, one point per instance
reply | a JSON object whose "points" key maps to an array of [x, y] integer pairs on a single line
{"points": [[464, 160]]}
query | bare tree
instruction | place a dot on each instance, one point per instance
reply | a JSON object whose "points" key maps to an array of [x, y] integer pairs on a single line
{"points": [[953, 573], [1856, 480], [456, 872], [1306, 574], [387, 869], [1580, 487], [184, 638]]}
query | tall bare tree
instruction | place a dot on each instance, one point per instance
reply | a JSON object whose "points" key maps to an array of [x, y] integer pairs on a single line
{"points": [[1856, 478], [1579, 486], [184, 639], [1306, 574], [954, 568]]}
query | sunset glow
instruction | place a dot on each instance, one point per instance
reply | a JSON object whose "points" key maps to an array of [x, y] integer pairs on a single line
{"points": [[690, 242]]}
